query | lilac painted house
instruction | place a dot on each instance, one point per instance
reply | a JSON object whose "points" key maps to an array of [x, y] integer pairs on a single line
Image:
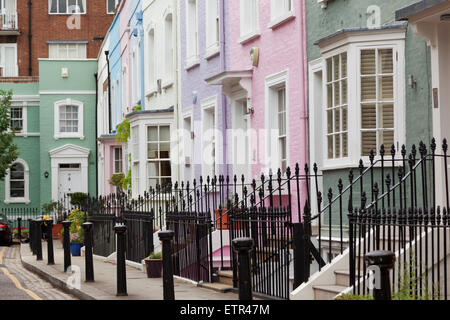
{"points": [[203, 116]]}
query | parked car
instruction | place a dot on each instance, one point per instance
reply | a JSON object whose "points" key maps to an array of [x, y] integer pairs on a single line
{"points": [[6, 230]]}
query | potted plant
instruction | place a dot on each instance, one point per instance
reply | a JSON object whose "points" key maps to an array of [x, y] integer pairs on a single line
{"points": [[57, 209], [117, 181], [154, 265], [79, 199], [222, 215], [77, 218]]}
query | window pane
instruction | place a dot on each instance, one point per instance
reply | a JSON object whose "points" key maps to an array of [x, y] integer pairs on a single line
{"points": [[336, 67], [368, 116], [387, 137], [337, 94], [62, 6], [165, 133], [152, 133], [337, 145], [329, 70], [283, 153], [330, 95], [17, 171], [344, 119], [166, 170], [386, 63], [152, 151], [337, 120], [344, 91], [330, 121], [368, 142], [164, 151], [367, 62], [153, 169], [54, 6], [330, 147], [344, 65], [387, 116], [62, 51], [81, 5], [387, 88], [73, 6], [368, 89], [345, 145]]}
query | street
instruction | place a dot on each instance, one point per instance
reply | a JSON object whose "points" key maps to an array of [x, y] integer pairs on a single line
{"points": [[17, 283]]}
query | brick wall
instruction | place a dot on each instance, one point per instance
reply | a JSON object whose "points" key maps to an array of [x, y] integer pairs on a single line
{"points": [[45, 27]]}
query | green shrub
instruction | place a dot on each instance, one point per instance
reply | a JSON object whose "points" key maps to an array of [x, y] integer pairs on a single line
{"points": [[79, 199], [155, 256]]}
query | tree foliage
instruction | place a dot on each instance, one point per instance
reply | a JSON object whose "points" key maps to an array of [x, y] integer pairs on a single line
{"points": [[8, 150]]}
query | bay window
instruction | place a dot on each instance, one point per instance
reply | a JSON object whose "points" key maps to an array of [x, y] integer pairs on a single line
{"points": [[352, 122]]}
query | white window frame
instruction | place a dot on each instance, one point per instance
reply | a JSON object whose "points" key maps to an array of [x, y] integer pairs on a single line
{"points": [[67, 8], [276, 18], [192, 49], [116, 3], [24, 118], [169, 56], [83, 45], [213, 22], [250, 34], [353, 44], [120, 160], [67, 135], [135, 143], [151, 62], [272, 85], [158, 159], [125, 88], [3, 47], [206, 106], [26, 198]]}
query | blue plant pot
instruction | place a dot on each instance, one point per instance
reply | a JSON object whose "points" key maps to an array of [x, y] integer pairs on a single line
{"points": [[75, 249]]}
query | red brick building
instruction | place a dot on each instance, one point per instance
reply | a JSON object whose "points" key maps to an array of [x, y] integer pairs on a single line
{"points": [[60, 29]]}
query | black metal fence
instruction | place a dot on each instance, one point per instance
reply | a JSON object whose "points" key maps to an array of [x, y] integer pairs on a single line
{"points": [[410, 218]]}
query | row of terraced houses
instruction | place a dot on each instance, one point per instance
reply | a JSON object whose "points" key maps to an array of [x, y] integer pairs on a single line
{"points": [[217, 87]]}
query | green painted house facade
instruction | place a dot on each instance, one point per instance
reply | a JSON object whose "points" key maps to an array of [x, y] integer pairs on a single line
{"points": [[57, 146], [369, 85]]}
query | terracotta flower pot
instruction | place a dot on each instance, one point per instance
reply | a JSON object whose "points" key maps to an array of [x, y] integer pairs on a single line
{"points": [[222, 223], [154, 268], [56, 232]]}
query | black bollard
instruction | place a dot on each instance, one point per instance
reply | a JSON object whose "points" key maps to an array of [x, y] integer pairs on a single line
{"points": [[121, 230], [381, 262], [242, 247], [50, 255], [19, 228], [32, 237], [38, 238], [66, 244], [88, 254], [168, 285]]}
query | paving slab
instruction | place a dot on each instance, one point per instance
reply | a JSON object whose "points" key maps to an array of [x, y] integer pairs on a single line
{"points": [[139, 287]]}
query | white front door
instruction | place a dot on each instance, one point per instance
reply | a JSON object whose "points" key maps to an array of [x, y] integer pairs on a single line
{"points": [[69, 179]]}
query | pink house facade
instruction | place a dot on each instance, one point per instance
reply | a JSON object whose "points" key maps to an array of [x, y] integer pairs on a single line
{"points": [[265, 83]]}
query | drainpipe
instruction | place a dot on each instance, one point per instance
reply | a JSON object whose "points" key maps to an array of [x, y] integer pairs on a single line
{"points": [[223, 65], [96, 133], [30, 35], [109, 92]]}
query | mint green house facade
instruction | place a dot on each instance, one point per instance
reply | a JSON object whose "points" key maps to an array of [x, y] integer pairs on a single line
{"points": [[369, 85], [57, 117]]}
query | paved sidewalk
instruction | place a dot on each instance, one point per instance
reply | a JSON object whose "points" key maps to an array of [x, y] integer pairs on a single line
{"points": [[139, 287]]}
